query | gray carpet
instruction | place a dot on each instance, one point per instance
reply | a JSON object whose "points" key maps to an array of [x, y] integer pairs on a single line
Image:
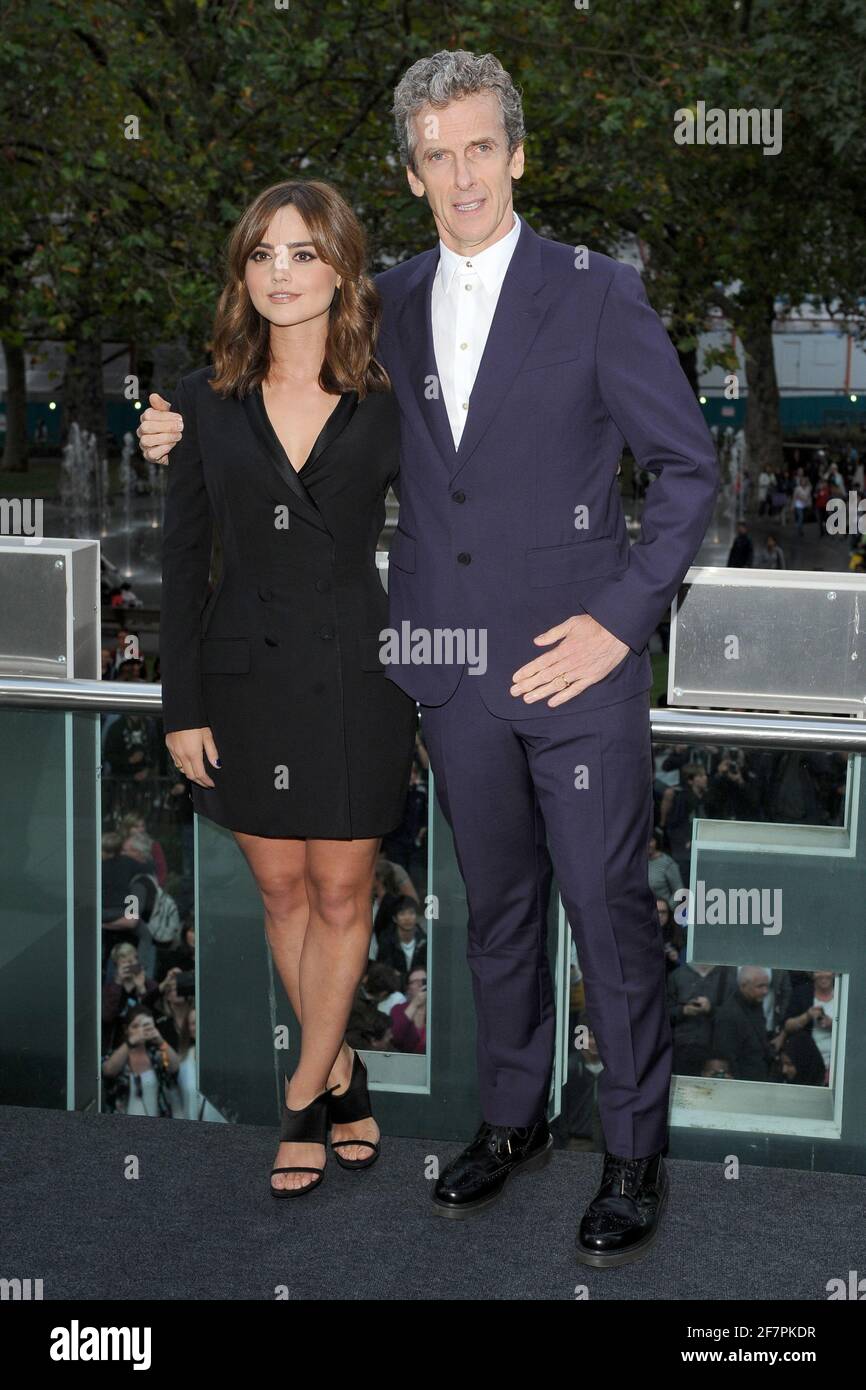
{"points": [[199, 1223]]}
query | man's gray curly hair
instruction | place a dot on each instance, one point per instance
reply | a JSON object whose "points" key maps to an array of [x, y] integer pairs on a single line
{"points": [[443, 78]]}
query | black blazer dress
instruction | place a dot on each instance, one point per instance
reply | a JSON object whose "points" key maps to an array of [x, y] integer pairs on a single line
{"points": [[282, 661]]}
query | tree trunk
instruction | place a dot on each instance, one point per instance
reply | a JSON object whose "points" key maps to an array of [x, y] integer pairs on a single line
{"points": [[689, 364], [763, 427], [83, 396], [15, 448]]}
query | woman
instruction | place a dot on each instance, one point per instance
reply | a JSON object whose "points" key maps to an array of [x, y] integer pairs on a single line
{"points": [[141, 1073], [276, 703], [672, 935], [802, 497]]}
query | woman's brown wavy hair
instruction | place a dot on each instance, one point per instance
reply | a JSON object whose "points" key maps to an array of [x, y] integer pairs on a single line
{"points": [[241, 334]]}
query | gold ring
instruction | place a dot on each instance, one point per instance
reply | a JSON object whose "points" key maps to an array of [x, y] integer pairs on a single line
{"points": [[564, 678]]}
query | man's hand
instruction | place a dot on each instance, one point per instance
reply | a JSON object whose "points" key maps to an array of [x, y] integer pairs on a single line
{"points": [[586, 653], [160, 429], [700, 1004]]}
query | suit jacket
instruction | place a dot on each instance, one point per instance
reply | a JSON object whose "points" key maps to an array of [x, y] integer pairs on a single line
{"points": [[522, 526], [740, 1036], [392, 953]]}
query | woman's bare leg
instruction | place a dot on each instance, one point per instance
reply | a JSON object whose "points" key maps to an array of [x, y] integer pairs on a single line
{"points": [[336, 950], [278, 869], [287, 882]]}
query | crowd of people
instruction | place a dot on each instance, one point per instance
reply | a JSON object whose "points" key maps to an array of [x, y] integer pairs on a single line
{"points": [[808, 493], [720, 1014], [148, 979], [749, 1022]]}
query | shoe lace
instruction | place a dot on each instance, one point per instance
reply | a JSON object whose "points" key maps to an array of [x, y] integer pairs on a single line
{"points": [[622, 1170], [500, 1136]]}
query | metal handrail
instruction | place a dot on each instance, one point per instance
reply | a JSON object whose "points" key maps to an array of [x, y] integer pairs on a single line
{"points": [[668, 725]]}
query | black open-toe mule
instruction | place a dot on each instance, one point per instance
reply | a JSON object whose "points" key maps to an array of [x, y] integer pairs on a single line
{"points": [[307, 1126], [352, 1105]]}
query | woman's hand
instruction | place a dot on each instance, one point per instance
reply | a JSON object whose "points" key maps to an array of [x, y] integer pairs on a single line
{"points": [[187, 748], [168, 986]]}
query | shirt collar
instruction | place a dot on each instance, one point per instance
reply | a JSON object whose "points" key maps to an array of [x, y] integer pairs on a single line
{"points": [[490, 264]]}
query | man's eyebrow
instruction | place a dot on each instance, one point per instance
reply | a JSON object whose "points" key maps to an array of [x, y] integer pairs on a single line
{"points": [[479, 140], [268, 247]]}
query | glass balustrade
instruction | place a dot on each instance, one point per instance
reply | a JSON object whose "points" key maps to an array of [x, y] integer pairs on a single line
{"points": [[124, 917]]}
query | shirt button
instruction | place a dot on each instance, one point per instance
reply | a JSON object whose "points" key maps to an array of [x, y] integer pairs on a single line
{"points": [[322, 586], [326, 631], [458, 496], [464, 558], [463, 347], [469, 287], [465, 405]]}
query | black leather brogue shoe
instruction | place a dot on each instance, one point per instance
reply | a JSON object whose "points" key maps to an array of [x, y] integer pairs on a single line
{"points": [[477, 1176], [622, 1220]]}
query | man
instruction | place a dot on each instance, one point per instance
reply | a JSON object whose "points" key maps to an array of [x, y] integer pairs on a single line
{"points": [[680, 807], [740, 1032], [521, 366], [741, 553]]}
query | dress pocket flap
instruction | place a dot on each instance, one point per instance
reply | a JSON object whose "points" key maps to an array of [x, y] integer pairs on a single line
{"points": [[370, 658], [231, 655]]}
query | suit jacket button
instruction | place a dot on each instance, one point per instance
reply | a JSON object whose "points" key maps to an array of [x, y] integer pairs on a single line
{"points": [[269, 642], [458, 496], [464, 558], [326, 631], [323, 586], [265, 592]]}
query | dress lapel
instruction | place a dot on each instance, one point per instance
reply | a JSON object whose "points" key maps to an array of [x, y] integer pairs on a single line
{"points": [[259, 420], [333, 426]]}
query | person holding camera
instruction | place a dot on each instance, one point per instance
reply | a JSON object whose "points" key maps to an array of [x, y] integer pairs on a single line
{"points": [[143, 1070]]}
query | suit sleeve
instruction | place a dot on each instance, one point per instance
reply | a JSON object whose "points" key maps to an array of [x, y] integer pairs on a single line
{"points": [[648, 397], [186, 553]]}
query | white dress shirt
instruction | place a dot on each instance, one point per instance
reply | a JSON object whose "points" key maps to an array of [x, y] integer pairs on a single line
{"points": [[465, 294]]}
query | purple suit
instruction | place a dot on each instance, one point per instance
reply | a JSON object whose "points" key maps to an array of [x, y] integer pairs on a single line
{"points": [[518, 529]]}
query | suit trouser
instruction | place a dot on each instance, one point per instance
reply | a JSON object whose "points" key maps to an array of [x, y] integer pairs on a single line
{"points": [[568, 793]]}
